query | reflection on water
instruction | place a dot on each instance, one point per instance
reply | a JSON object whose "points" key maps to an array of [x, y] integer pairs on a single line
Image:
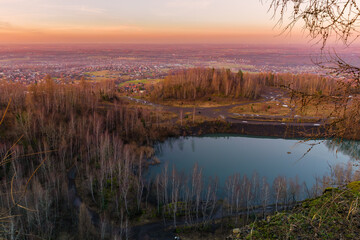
{"points": [[349, 148], [224, 155], [251, 175]]}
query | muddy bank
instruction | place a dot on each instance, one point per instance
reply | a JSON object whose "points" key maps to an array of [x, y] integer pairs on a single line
{"points": [[256, 128]]}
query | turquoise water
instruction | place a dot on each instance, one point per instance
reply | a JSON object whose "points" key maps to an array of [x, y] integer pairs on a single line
{"points": [[224, 155]]}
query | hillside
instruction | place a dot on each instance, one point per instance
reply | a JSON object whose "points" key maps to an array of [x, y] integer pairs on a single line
{"points": [[334, 215]]}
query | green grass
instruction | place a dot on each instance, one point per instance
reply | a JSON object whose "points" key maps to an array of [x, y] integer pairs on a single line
{"points": [[334, 215], [140, 81], [102, 75], [98, 73], [230, 65]]}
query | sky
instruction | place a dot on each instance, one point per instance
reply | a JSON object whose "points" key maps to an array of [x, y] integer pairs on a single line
{"points": [[139, 21]]}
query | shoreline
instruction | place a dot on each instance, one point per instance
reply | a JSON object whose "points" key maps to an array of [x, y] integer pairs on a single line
{"points": [[255, 128]]}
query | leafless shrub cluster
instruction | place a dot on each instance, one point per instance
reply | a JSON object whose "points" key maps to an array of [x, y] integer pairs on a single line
{"points": [[325, 20]]}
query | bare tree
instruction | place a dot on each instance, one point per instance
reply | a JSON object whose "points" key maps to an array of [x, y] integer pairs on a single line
{"points": [[175, 185], [325, 20], [322, 19], [294, 189], [265, 194], [231, 185], [198, 180], [279, 190], [84, 222], [140, 182]]}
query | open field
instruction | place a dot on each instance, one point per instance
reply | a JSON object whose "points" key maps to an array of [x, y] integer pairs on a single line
{"points": [[213, 103], [264, 108], [321, 110], [144, 81], [102, 75]]}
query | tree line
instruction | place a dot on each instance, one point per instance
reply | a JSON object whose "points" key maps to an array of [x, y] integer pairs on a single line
{"points": [[203, 83]]}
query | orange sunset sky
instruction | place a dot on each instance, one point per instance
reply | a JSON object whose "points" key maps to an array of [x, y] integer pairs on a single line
{"points": [[140, 21]]}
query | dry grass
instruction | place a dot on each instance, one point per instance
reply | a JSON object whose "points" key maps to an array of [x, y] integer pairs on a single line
{"points": [[101, 75], [271, 108], [146, 82], [213, 103], [163, 116], [189, 119], [321, 110]]}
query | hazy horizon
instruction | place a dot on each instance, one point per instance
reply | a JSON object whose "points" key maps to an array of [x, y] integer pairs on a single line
{"points": [[141, 22]]}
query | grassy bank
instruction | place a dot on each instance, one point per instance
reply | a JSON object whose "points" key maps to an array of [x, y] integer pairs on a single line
{"points": [[334, 215]]}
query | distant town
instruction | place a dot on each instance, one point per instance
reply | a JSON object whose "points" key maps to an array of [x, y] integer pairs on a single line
{"points": [[31, 63]]}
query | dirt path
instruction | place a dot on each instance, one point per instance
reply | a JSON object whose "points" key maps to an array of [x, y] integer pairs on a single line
{"points": [[223, 112]]}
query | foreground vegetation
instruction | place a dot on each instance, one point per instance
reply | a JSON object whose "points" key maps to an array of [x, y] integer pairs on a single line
{"points": [[333, 215]]}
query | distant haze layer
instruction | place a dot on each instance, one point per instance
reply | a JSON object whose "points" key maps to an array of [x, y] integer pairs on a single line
{"points": [[139, 21]]}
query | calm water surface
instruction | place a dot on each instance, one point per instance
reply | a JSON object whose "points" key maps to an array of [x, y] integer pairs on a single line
{"points": [[225, 155]]}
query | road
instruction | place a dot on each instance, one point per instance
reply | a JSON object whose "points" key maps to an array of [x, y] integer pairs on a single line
{"points": [[223, 112]]}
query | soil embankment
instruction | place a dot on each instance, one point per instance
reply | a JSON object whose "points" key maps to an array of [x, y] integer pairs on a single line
{"points": [[256, 128]]}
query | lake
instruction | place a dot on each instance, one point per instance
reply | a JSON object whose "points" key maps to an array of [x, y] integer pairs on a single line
{"points": [[224, 155]]}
